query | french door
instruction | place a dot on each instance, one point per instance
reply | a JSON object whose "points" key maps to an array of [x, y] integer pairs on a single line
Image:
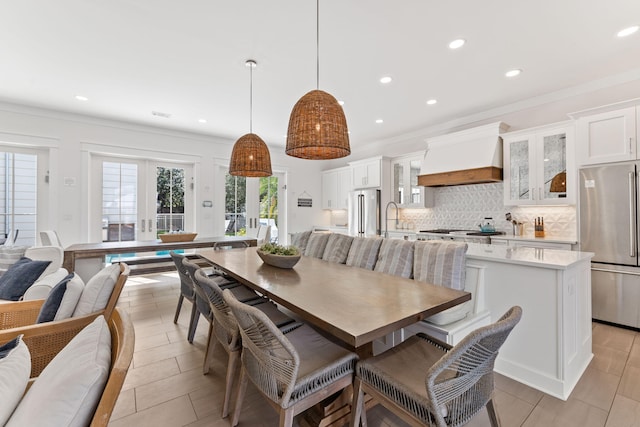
{"points": [[136, 199], [251, 202]]}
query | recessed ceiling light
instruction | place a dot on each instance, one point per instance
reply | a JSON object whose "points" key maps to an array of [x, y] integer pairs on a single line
{"points": [[341, 102], [513, 73], [81, 98], [432, 101], [385, 80], [202, 121], [628, 31], [379, 121], [458, 43]]}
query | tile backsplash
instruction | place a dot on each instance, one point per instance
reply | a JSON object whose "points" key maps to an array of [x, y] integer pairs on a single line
{"points": [[465, 206]]}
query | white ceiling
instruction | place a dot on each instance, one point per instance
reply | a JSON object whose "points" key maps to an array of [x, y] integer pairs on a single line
{"points": [[186, 58]]}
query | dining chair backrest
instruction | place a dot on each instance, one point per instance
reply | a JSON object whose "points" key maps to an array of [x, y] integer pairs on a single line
{"points": [[50, 238], [395, 258], [231, 245], [264, 234], [269, 358], [186, 285], [202, 300], [462, 380], [225, 325]]}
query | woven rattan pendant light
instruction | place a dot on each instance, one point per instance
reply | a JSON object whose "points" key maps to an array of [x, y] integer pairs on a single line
{"points": [[250, 156], [317, 126]]}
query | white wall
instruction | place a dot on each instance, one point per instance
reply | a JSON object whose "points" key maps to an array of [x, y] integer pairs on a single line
{"points": [[72, 138]]}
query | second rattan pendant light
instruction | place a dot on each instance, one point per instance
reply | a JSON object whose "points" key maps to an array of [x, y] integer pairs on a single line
{"points": [[317, 126], [250, 156]]}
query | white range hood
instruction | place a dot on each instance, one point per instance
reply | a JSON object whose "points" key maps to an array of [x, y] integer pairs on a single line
{"points": [[471, 156]]}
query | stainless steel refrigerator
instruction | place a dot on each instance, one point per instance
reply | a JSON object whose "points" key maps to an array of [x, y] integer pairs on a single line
{"points": [[609, 228], [364, 213]]}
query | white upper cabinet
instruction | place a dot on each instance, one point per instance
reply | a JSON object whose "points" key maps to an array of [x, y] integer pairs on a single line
{"points": [[609, 136], [336, 184], [406, 191], [539, 166], [367, 174]]}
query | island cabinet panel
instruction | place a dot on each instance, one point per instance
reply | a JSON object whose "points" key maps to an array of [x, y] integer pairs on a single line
{"points": [[551, 346]]}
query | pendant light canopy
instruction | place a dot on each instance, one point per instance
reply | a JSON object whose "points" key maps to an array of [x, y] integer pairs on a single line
{"points": [[317, 126], [250, 156]]}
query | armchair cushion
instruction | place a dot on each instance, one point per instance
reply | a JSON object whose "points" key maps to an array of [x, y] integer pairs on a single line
{"points": [[42, 287], [337, 248], [17, 279], [68, 390], [9, 255], [52, 304], [15, 367], [55, 254], [97, 291]]}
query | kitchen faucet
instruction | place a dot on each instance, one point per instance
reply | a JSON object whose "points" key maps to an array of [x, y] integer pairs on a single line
{"points": [[386, 215]]}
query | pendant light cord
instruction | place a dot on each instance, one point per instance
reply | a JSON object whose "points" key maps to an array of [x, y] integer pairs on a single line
{"points": [[251, 65], [318, 44]]}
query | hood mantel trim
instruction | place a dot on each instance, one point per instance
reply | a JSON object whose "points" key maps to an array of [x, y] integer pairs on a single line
{"points": [[462, 177]]}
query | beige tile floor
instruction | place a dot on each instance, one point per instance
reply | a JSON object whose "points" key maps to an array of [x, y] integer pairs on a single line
{"points": [[165, 386]]}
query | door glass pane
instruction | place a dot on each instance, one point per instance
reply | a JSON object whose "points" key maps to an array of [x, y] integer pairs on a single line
{"points": [[170, 200], [398, 184], [235, 205], [119, 201], [269, 205], [555, 168], [18, 197], [416, 193], [519, 169]]}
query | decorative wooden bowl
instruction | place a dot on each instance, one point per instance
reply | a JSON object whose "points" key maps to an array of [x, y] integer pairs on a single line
{"points": [[280, 261], [177, 237]]}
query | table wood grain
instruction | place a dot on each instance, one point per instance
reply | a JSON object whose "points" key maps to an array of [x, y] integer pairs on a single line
{"points": [[354, 305]]}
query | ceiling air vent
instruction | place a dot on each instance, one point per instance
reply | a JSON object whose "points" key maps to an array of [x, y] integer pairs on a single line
{"points": [[161, 114]]}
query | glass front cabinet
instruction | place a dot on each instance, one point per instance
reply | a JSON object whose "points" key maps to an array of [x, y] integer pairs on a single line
{"points": [[406, 191], [539, 166]]}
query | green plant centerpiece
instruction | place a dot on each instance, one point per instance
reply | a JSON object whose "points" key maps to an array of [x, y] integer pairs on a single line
{"points": [[279, 255]]}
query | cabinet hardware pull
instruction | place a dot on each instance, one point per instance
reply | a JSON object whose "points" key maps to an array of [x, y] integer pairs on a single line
{"points": [[632, 214], [142, 225]]}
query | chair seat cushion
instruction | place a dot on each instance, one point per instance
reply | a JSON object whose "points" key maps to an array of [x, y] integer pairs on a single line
{"points": [[68, 390], [243, 294], [400, 372], [271, 310], [15, 368], [17, 279], [321, 361]]}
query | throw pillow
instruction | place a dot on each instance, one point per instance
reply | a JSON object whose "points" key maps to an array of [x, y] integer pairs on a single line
{"points": [[316, 244], [17, 279], [97, 291], [15, 369], [50, 307], [71, 297], [299, 240], [337, 248], [68, 390]]}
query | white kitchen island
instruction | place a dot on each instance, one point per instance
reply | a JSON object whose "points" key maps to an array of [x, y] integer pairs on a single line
{"points": [[551, 346]]}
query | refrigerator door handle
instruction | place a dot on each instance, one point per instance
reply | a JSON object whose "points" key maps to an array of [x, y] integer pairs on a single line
{"points": [[606, 270], [361, 214], [632, 214]]}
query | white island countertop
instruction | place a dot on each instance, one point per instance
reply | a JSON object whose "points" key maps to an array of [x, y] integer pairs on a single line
{"points": [[531, 238], [534, 257]]}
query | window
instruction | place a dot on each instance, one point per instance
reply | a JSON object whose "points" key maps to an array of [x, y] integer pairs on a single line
{"points": [[18, 196], [235, 215]]}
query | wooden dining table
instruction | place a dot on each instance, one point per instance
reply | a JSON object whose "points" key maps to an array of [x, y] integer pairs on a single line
{"points": [[354, 305]]}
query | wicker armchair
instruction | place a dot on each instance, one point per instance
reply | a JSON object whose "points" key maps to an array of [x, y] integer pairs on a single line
{"points": [[17, 314], [294, 372], [225, 328], [458, 384], [46, 340]]}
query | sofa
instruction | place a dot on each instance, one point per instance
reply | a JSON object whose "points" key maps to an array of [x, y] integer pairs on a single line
{"points": [[437, 262]]}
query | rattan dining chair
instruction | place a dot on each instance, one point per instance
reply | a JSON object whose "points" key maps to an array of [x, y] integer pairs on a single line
{"points": [[226, 332], [186, 291], [458, 383], [293, 371]]}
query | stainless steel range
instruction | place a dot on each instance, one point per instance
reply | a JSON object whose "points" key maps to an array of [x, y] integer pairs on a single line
{"points": [[470, 236]]}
